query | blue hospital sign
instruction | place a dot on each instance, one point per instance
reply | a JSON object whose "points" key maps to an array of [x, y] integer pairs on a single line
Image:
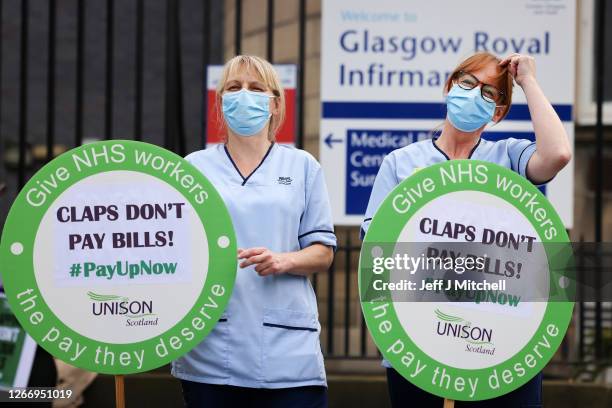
{"points": [[365, 151]]}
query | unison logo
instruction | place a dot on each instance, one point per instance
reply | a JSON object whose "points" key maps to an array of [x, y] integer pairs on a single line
{"points": [[478, 339], [111, 305]]}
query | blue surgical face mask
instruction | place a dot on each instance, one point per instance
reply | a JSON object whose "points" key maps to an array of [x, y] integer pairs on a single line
{"points": [[467, 110], [246, 112]]}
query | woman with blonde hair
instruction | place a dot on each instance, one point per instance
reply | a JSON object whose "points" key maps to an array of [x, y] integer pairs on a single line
{"points": [[479, 91], [265, 350]]}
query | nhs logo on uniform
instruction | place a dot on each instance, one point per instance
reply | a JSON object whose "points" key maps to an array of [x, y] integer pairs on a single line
{"points": [[365, 151], [284, 180]]}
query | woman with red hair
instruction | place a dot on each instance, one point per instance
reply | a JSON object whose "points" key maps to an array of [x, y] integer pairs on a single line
{"points": [[478, 92]]}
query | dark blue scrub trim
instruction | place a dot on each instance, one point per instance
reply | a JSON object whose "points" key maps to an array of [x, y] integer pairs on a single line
{"points": [[438, 149], [222, 320], [474, 148], [519, 160], [282, 326], [519, 167], [433, 140], [245, 179], [367, 219], [313, 232]]}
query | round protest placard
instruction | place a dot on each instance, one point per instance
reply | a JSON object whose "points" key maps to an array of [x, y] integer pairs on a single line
{"points": [[118, 257], [466, 280]]}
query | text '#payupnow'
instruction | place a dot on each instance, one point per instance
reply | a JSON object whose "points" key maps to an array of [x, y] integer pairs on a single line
{"points": [[121, 269]]}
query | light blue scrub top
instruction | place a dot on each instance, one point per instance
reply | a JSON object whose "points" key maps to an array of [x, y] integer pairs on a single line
{"points": [[401, 163], [269, 335]]}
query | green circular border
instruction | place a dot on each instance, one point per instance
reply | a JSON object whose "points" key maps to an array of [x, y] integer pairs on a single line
{"points": [[18, 270], [386, 226]]}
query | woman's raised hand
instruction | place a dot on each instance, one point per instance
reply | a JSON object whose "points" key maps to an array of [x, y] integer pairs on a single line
{"points": [[521, 67]]}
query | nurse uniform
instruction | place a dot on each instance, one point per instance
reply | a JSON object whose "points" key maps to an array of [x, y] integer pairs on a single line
{"points": [[269, 335], [401, 163]]}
